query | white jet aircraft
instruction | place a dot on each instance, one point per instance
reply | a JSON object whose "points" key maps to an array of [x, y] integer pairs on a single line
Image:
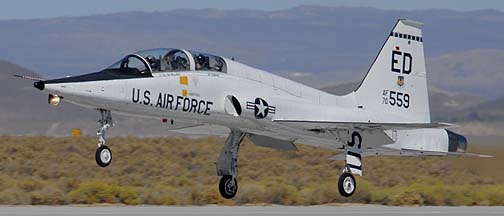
{"points": [[388, 114]]}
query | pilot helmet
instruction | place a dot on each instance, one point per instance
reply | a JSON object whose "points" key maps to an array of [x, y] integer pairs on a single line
{"points": [[150, 59], [201, 59]]}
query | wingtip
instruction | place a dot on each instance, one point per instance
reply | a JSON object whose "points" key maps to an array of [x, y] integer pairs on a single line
{"points": [[448, 125]]}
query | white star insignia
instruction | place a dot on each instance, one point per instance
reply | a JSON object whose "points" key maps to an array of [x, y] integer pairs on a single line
{"points": [[261, 109]]}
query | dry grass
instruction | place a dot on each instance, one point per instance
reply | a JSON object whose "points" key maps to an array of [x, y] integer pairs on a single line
{"points": [[181, 171]]}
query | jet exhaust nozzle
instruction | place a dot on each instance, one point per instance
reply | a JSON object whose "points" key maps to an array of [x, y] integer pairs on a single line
{"points": [[456, 142]]}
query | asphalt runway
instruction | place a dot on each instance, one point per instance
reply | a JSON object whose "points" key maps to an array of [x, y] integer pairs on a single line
{"points": [[246, 211]]}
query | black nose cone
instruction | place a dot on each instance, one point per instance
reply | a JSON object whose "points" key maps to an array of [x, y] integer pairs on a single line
{"points": [[40, 85]]}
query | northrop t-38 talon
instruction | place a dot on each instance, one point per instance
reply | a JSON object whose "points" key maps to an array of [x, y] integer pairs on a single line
{"points": [[388, 114]]}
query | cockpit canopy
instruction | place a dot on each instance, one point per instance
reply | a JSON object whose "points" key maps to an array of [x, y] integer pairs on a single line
{"points": [[170, 60]]}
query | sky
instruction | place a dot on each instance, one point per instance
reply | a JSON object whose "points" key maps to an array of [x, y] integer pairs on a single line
{"points": [[30, 9]]}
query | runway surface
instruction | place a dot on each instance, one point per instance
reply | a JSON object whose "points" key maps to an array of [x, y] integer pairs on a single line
{"points": [[247, 211]]}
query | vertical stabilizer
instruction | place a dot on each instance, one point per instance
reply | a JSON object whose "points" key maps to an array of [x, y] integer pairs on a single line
{"points": [[395, 87]]}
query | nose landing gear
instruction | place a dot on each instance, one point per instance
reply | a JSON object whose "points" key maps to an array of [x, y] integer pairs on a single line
{"points": [[103, 155]]}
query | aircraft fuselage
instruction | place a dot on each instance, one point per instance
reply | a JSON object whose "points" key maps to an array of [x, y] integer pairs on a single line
{"points": [[199, 98]]}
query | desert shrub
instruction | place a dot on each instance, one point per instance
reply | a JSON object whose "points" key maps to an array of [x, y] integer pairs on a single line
{"points": [[495, 196], [181, 171], [251, 193], [14, 196], [161, 195], [49, 196], [202, 195], [67, 184], [465, 195], [7, 182], [31, 184], [320, 194], [406, 198], [281, 193], [98, 192]]}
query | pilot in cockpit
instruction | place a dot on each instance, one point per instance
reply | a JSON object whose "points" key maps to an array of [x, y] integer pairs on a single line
{"points": [[153, 62], [201, 62], [178, 63]]}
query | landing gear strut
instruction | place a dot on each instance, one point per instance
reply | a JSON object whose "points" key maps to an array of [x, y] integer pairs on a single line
{"points": [[353, 165], [227, 165], [103, 155]]}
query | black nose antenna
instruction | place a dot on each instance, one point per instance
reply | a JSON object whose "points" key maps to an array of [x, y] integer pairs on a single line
{"points": [[40, 85]]}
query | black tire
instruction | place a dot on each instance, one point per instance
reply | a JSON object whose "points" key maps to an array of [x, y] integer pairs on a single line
{"points": [[347, 184], [103, 156], [228, 187]]}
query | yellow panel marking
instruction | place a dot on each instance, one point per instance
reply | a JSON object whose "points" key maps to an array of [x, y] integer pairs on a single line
{"points": [[184, 92], [76, 132], [184, 80]]}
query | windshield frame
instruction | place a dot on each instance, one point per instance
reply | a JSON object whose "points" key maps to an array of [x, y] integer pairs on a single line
{"points": [[120, 64]]}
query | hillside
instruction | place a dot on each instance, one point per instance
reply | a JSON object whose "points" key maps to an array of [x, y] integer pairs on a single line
{"points": [[477, 72], [332, 44], [181, 171], [488, 111]]}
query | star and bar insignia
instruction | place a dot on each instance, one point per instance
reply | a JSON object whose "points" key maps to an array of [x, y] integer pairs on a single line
{"points": [[261, 108]]}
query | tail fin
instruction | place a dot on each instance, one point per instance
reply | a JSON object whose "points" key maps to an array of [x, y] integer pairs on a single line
{"points": [[395, 87]]}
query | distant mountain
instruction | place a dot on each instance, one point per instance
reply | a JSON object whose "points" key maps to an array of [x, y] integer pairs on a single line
{"points": [[490, 111], [327, 44], [478, 72], [444, 104]]}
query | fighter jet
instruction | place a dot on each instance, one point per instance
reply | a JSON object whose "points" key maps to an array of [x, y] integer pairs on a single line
{"points": [[387, 115]]}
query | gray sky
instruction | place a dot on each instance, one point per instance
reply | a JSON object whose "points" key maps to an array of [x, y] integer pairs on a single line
{"points": [[27, 9]]}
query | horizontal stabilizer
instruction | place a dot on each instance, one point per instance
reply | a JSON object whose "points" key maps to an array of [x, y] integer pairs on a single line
{"points": [[465, 154], [375, 152]]}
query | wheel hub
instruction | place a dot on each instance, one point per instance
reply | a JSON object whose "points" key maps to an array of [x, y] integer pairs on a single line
{"points": [[348, 185], [230, 186], [105, 156]]}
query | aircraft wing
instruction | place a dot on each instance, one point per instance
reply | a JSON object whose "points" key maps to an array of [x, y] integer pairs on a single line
{"points": [[329, 125]]}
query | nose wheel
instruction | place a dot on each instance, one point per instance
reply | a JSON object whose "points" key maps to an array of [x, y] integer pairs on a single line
{"points": [[103, 155]]}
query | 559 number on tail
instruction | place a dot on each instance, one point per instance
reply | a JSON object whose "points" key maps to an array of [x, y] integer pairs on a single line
{"points": [[396, 98]]}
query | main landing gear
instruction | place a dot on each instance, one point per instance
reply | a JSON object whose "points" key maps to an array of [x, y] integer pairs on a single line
{"points": [[227, 165], [353, 165], [103, 155]]}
